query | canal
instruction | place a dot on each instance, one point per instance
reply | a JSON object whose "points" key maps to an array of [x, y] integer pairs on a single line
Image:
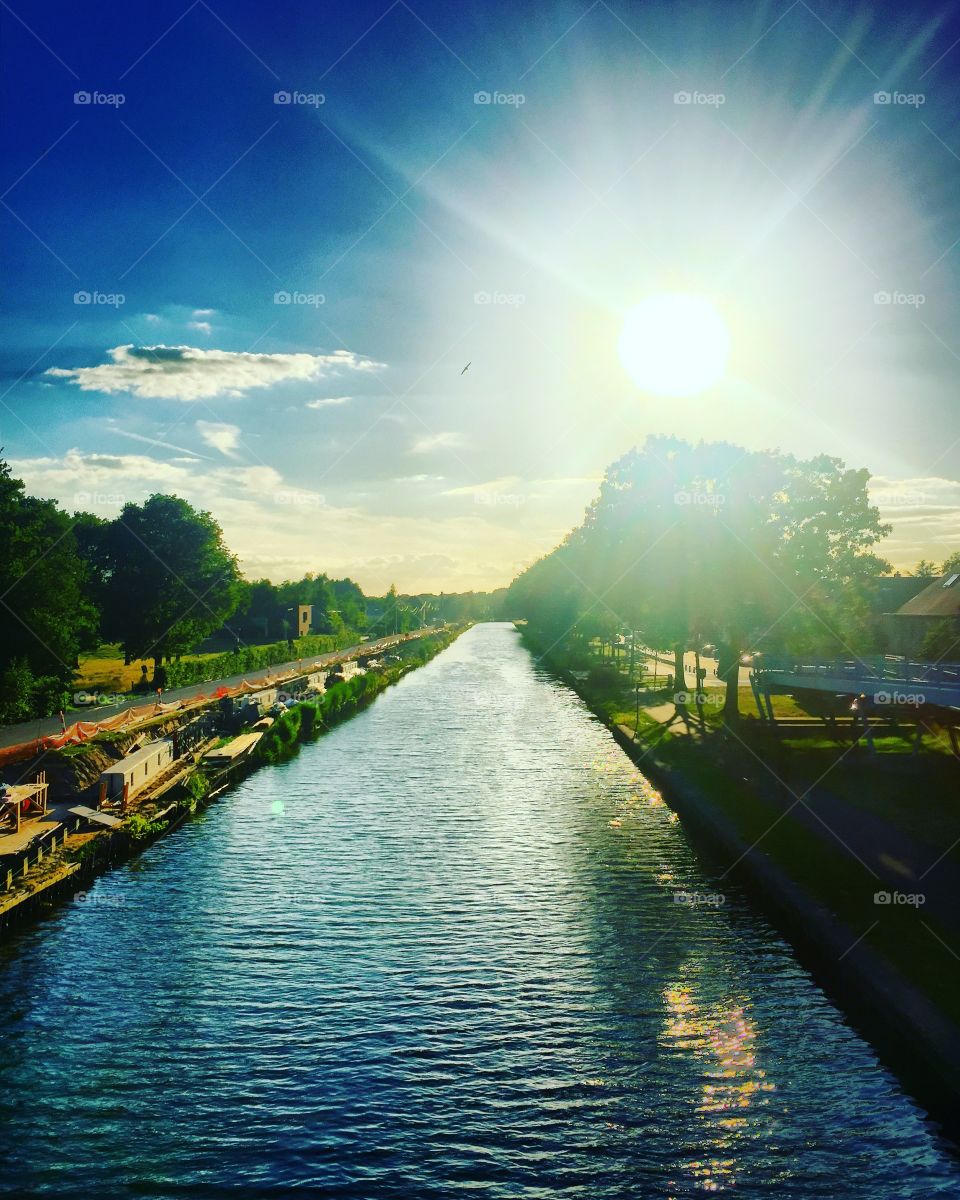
{"points": [[457, 946]]}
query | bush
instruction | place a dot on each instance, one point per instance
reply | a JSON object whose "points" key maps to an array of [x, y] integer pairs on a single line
{"points": [[16, 692], [604, 677], [250, 658], [306, 720], [140, 827]]}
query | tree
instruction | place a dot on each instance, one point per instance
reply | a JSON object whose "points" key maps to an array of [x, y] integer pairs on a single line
{"points": [[951, 565], [713, 541], [925, 569], [166, 577], [45, 616], [942, 643]]}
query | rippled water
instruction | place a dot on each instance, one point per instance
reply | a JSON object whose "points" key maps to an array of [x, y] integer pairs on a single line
{"points": [[438, 954]]}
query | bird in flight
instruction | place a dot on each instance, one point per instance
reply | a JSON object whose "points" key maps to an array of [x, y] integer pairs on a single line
{"points": [[466, 368]]}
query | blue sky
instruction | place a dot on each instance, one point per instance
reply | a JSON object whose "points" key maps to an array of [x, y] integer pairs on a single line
{"points": [[281, 297]]}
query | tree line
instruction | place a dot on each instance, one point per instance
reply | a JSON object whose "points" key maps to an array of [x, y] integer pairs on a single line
{"points": [[160, 581], [712, 544]]}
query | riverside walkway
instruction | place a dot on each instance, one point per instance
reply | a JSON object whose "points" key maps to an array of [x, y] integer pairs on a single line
{"points": [[28, 732]]}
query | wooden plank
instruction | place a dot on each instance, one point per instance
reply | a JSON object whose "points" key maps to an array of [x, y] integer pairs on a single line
{"points": [[91, 814]]}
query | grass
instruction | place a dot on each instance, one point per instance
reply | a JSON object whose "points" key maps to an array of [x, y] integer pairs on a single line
{"points": [[104, 671]]}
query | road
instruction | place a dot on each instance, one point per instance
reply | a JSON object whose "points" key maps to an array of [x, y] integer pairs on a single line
{"points": [[689, 665], [13, 735]]}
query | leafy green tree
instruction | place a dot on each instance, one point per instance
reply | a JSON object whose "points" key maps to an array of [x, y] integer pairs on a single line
{"points": [[687, 542], [942, 643], [46, 617], [166, 577], [951, 565], [925, 569]]}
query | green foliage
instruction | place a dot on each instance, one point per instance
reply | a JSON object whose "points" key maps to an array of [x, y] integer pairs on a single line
{"points": [[713, 543], [163, 575], [942, 643], [306, 720], [250, 658], [197, 785], [46, 617], [140, 827]]}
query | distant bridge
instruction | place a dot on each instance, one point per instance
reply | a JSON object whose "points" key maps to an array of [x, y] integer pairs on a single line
{"points": [[885, 680]]}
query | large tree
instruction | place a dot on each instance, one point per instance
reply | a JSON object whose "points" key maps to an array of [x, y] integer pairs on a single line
{"points": [[711, 541], [165, 575], [46, 617]]}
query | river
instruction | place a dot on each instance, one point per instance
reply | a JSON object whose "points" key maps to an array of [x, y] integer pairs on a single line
{"points": [[458, 946]]}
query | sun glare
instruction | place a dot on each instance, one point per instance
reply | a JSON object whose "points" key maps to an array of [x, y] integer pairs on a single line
{"points": [[674, 344]]}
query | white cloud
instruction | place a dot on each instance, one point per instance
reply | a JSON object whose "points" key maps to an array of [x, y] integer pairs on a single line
{"points": [[204, 312], [436, 441], [201, 327], [328, 402], [224, 438], [925, 515], [271, 523], [188, 373]]}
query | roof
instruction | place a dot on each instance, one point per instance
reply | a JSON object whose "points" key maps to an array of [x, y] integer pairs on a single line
{"points": [[137, 757], [889, 592], [235, 749], [941, 598]]}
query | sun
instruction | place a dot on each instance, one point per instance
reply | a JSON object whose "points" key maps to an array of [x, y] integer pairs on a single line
{"points": [[674, 344]]}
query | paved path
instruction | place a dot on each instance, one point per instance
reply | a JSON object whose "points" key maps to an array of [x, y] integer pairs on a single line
{"points": [[13, 735]]}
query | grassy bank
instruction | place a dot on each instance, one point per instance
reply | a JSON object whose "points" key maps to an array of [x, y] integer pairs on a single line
{"points": [[105, 671], [307, 720]]}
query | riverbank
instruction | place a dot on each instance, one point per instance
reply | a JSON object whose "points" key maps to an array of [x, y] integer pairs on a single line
{"points": [[68, 863], [889, 965]]}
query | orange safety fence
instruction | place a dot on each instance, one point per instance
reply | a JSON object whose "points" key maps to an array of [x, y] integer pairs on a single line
{"points": [[82, 731]]}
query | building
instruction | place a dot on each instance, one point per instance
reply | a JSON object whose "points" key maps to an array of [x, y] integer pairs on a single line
{"points": [[304, 619], [249, 706], [136, 770], [908, 627]]}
